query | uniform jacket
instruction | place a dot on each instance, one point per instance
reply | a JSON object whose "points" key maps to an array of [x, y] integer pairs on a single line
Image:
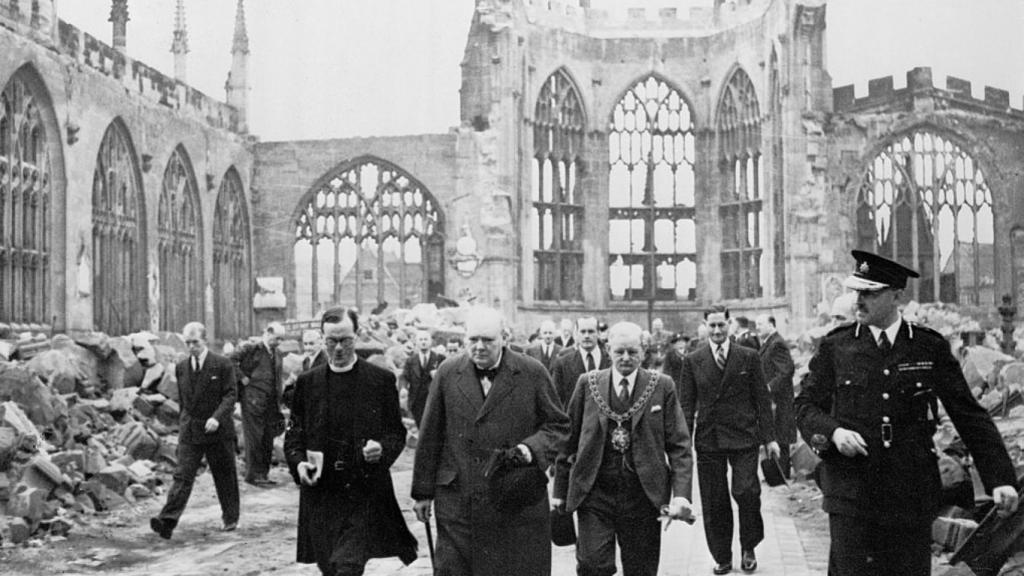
{"points": [[660, 442], [417, 377], [567, 369], [459, 431], [886, 397], [536, 351], [778, 367], [730, 409], [210, 393]]}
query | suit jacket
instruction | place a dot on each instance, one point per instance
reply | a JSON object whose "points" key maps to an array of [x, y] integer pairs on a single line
{"points": [[887, 397], [778, 367], [660, 442], [262, 367], [320, 358], [209, 393], [536, 351], [730, 409], [460, 430], [567, 369], [417, 377]]}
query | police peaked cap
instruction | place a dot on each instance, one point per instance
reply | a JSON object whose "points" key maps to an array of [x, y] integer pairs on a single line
{"points": [[874, 272]]}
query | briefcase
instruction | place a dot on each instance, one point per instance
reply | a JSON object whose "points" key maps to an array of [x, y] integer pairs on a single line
{"points": [[772, 472], [563, 529]]}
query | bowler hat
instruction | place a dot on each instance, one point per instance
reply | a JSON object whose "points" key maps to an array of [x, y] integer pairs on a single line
{"points": [[563, 529], [874, 272], [512, 484]]}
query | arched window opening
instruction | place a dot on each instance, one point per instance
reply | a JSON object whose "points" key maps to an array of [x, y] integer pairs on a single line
{"points": [[557, 218], [369, 234], [25, 196], [120, 297], [232, 284], [179, 247], [925, 202], [741, 183], [651, 235]]}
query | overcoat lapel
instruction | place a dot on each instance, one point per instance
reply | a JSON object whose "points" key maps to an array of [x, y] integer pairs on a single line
{"points": [[501, 387], [469, 386]]}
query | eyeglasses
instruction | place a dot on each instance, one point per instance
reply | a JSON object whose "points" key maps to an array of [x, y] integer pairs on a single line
{"points": [[332, 342]]}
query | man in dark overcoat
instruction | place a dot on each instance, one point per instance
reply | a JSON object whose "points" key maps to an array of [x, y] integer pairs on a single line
{"points": [[419, 371], [627, 428], [346, 411], [726, 404], [206, 387], [868, 407], [545, 349], [488, 399], [584, 357], [778, 367], [259, 376]]}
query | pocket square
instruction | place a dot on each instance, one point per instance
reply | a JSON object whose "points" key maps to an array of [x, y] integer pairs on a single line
{"points": [[655, 408]]}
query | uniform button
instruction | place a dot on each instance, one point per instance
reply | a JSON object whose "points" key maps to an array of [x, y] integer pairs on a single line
{"points": [[885, 395], [886, 444], [847, 382], [885, 419], [886, 371], [918, 384]]}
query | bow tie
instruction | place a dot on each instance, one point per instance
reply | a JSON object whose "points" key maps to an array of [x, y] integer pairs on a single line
{"points": [[489, 373]]}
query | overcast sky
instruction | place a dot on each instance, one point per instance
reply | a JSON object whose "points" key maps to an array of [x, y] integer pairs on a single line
{"points": [[338, 68]]}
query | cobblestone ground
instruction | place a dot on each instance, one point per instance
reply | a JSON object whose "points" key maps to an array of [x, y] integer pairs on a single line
{"points": [[796, 542]]}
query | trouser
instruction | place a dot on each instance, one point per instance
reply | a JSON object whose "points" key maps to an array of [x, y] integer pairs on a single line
{"points": [[257, 411], [861, 547], [712, 472], [220, 455], [784, 460], [617, 508]]}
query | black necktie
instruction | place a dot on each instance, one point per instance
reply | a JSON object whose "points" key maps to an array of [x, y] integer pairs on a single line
{"points": [[305, 363], [883, 342], [195, 364], [590, 362], [624, 394]]}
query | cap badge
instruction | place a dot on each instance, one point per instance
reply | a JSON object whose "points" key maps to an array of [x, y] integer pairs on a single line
{"points": [[864, 268]]}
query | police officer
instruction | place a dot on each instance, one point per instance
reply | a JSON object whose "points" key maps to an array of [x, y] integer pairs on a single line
{"points": [[867, 407]]}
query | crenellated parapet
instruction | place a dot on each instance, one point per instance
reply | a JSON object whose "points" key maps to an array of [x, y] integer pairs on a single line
{"points": [[578, 17], [956, 94], [143, 80]]}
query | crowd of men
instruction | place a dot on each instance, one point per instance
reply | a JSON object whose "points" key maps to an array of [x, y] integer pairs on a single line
{"points": [[618, 416]]}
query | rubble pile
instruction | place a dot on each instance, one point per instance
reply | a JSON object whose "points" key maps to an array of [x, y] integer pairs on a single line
{"points": [[86, 423]]}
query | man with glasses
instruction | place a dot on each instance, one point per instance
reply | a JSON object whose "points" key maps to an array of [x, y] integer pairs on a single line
{"points": [[727, 406], [626, 425], [259, 375], [585, 357], [206, 385], [488, 399], [344, 433], [869, 407]]}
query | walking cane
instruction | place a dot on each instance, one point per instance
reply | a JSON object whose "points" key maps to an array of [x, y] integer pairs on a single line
{"points": [[430, 545]]}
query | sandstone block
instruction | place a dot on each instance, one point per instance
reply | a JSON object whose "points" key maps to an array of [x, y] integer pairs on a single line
{"points": [[15, 530], [19, 384], [143, 406], [115, 477], [168, 385], [28, 503], [14, 417], [139, 443], [122, 400], [58, 369], [168, 412]]}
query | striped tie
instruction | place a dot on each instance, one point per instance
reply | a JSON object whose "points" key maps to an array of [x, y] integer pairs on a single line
{"points": [[720, 357]]}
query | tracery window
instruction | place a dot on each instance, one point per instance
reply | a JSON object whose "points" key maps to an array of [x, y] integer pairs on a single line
{"points": [[651, 234], [557, 217], [25, 195], [232, 283], [741, 178], [926, 203], [369, 233], [179, 249], [120, 298]]}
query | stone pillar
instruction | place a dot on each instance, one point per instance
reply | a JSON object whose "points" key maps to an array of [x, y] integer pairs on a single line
{"points": [[119, 18]]}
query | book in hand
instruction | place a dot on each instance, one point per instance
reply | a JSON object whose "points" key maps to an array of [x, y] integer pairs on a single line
{"points": [[316, 458]]}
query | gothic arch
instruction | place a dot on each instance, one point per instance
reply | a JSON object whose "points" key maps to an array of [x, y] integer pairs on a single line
{"points": [[741, 188], [180, 244], [925, 200], [367, 232], [232, 249], [32, 184], [556, 213], [120, 295], [651, 194]]}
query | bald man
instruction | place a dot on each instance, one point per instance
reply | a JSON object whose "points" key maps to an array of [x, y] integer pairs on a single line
{"points": [[488, 399], [259, 376], [545, 350]]}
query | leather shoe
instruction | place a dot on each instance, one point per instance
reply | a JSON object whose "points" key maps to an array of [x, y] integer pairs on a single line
{"points": [[161, 527], [722, 568], [229, 527], [749, 561], [264, 481]]}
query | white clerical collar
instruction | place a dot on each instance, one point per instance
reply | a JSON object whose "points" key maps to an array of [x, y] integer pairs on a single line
{"points": [[346, 368]]}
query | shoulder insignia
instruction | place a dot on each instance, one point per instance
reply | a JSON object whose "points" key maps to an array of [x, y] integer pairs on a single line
{"points": [[925, 329]]}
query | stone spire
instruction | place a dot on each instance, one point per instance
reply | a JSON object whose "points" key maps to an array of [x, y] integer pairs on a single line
{"points": [[179, 46], [119, 16], [237, 85]]}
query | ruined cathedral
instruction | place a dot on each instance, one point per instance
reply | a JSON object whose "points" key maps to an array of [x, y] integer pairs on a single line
{"points": [[652, 164]]}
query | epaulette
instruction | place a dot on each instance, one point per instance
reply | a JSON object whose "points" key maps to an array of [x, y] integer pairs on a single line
{"points": [[925, 329], [841, 328]]}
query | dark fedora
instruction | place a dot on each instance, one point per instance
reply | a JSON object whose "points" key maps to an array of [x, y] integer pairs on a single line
{"points": [[513, 484], [563, 529]]}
